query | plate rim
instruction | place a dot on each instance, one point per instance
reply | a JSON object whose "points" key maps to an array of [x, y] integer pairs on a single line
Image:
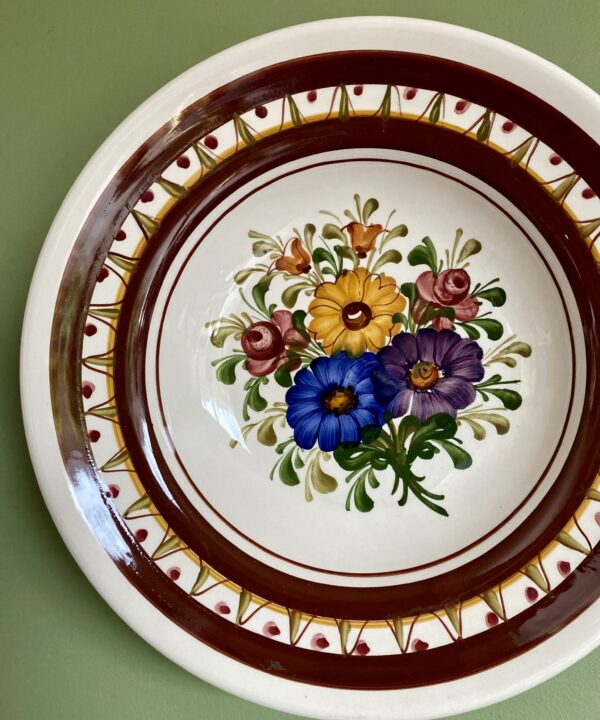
{"points": [[536, 75]]}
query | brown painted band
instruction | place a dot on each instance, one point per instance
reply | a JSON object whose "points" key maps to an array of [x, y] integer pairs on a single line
{"points": [[193, 516], [500, 643], [320, 598]]}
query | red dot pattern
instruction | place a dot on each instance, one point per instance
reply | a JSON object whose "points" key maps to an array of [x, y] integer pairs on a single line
{"points": [[147, 197], [311, 95], [90, 329], [183, 162], [211, 142], [141, 534], [261, 111]]}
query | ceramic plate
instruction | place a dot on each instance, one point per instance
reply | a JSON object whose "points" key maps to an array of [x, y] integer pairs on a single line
{"points": [[309, 369]]}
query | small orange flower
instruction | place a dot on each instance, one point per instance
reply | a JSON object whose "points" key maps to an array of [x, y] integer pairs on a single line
{"points": [[363, 237], [298, 262]]}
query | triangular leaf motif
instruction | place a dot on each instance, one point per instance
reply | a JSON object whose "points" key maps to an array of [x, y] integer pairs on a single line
{"points": [[569, 541], [143, 503], [492, 600], [244, 602], [206, 160], [109, 412], [201, 579], [243, 130], [453, 614], [344, 630], [173, 189], [519, 154], [536, 576], [168, 545], [147, 225], [116, 460]]}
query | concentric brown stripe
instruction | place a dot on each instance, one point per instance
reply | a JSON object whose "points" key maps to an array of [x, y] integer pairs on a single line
{"points": [[454, 586], [557, 131], [193, 516]]}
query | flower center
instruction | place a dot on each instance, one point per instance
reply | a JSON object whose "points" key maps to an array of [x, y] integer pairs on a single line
{"points": [[424, 375], [339, 400], [356, 315]]}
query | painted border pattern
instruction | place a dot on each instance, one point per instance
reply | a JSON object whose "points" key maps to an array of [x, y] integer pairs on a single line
{"points": [[358, 637]]}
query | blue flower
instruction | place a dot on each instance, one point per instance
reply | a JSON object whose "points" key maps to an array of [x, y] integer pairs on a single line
{"points": [[332, 400]]}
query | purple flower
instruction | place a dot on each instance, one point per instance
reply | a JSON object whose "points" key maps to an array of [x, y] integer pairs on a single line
{"points": [[428, 373]]}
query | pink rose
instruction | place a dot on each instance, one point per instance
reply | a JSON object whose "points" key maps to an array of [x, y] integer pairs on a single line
{"points": [[448, 289], [266, 343]]}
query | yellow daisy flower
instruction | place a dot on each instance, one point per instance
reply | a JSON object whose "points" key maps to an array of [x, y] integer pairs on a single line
{"points": [[355, 312]]}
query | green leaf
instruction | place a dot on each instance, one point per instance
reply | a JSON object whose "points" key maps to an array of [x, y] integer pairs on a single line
{"points": [[424, 254], [495, 295], [261, 247], [242, 275], [282, 374], [287, 474], [479, 432], [390, 256], [259, 292], [321, 255], [471, 331], [226, 369], [400, 318], [220, 334], [289, 297], [471, 247], [460, 458], [332, 232], [370, 206], [409, 290], [492, 328], [501, 423], [509, 398], [358, 493], [398, 231], [298, 321], [321, 481], [255, 235], [265, 433], [518, 348], [345, 251], [437, 428], [254, 399], [309, 233]]}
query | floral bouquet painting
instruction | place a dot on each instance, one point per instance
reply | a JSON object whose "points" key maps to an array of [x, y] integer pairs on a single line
{"points": [[375, 375]]}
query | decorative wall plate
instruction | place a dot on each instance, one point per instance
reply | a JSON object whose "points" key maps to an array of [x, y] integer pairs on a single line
{"points": [[309, 369]]}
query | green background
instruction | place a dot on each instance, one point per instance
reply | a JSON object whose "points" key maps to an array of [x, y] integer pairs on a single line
{"points": [[69, 73]]}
